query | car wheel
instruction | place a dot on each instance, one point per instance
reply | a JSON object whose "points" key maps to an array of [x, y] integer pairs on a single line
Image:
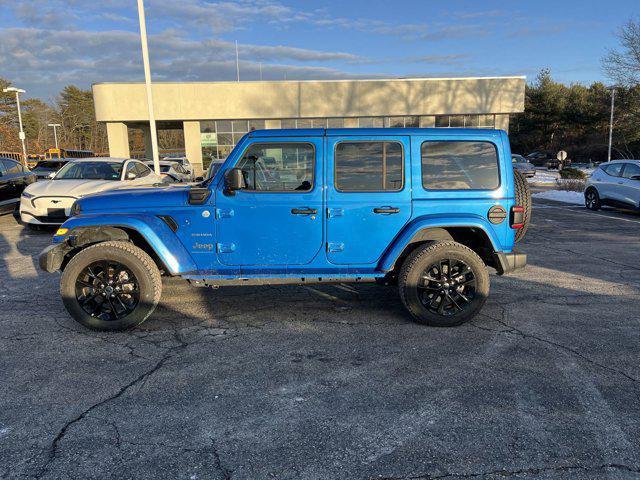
{"points": [[592, 199], [443, 284], [111, 286]]}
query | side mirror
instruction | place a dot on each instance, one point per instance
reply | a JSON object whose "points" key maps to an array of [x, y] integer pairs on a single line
{"points": [[635, 177], [199, 179], [131, 176], [234, 180], [52, 174]]}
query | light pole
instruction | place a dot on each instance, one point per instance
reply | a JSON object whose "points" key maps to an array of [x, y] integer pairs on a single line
{"points": [[18, 91], [147, 81], [55, 133], [613, 102]]}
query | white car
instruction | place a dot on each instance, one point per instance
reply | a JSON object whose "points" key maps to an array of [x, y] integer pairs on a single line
{"points": [[173, 171], [615, 183], [184, 161], [48, 202]]}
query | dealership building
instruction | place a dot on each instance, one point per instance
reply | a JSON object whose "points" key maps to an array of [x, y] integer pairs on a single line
{"points": [[215, 115]]}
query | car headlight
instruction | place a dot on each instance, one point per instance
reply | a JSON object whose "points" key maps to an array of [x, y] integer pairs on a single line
{"points": [[27, 195], [75, 209]]}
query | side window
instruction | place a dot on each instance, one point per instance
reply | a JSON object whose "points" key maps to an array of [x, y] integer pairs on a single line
{"points": [[278, 167], [11, 167], [3, 168], [141, 170], [460, 165], [131, 168], [631, 170], [369, 167], [613, 169]]}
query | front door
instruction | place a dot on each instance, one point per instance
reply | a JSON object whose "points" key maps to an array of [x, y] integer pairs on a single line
{"points": [[277, 219], [368, 196]]}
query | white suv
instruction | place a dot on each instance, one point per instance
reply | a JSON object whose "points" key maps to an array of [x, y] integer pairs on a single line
{"points": [[615, 183]]}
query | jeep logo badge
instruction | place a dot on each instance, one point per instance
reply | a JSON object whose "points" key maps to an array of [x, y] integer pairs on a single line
{"points": [[497, 214]]}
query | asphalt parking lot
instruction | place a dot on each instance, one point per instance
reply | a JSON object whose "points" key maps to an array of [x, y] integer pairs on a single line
{"points": [[335, 382]]}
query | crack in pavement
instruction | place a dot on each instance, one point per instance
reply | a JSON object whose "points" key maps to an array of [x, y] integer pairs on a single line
{"points": [[226, 472], [524, 471], [512, 330]]}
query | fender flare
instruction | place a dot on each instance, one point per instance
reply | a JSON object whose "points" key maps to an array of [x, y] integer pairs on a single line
{"points": [[162, 240], [413, 228]]}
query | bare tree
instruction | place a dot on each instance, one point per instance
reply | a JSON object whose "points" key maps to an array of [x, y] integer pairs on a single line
{"points": [[623, 65]]}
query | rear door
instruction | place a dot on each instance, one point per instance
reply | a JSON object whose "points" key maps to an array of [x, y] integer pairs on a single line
{"points": [[368, 196], [631, 186], [611, 186]]}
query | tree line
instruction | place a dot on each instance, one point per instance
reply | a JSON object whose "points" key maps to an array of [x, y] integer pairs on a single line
{"points": [[557, 117]]}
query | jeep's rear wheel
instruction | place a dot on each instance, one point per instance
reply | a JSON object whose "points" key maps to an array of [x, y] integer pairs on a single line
{"points": [[111, 286], [443, 284], [523, 198]]}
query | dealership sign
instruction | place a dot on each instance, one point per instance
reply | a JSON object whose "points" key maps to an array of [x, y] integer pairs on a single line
{"points": [[208, 139]]}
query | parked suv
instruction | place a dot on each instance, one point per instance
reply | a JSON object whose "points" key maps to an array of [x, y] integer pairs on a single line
{"points": [[426, 209], [615, 183]]}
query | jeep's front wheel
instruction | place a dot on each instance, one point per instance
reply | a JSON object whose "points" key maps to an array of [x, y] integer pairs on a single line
{"points": [[443, 284], [111, 286]]}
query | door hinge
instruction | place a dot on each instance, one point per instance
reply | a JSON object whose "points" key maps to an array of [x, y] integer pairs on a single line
{"points": [[335, 247], [225, 247], [224, 213], [335, 212]]}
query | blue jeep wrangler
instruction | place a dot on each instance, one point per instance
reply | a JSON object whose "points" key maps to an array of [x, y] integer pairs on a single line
{"points": [[426, 209]]}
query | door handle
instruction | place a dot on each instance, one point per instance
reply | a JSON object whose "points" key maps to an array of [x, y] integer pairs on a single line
{"points": [[620, 183], [386, 210], [304, 211]]}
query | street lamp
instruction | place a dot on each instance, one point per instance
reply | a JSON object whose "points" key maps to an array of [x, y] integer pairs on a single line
{"points": [[55, 133], [147, 81], [613, 102], [18, 91]]}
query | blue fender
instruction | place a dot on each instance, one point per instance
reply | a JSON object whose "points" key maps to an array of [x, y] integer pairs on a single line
{"points": [[156, 232], [431, 221]]}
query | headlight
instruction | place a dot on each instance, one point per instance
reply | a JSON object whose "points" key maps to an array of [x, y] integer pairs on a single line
{"points": [[27, 195], [75, 209]]}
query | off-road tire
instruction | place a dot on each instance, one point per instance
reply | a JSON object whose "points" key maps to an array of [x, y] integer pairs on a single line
{"points": [[523, 198], [592, 204], [126, 253], [419, 260]]}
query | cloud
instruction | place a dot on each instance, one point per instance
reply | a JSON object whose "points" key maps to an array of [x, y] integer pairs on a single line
{"points": [[43, 61]]}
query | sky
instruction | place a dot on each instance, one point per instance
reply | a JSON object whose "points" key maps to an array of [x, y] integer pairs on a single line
{"points": [[48, 44]]}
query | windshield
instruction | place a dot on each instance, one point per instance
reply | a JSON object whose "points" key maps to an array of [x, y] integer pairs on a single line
{"points": [[90, 171], [50, 165]]}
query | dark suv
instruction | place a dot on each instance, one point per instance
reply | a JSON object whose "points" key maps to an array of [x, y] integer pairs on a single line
{"points": [[14, 177]]}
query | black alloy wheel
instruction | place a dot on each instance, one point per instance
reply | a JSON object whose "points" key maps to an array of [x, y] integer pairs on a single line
{"points": [[592, 199], [107, 290], [447, 287]]}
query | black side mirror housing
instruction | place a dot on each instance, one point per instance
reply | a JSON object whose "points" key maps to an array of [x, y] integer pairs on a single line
{"points": [[234, 180]]}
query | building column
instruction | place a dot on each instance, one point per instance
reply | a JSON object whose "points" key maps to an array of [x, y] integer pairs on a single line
{"points": [[148, 148], [502, 122], [118, 138], [427, 121], [350, 123], [192, 146]]}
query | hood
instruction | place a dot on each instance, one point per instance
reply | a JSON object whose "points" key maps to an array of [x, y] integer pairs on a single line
{"points": [[70, 188], [135, 199]]}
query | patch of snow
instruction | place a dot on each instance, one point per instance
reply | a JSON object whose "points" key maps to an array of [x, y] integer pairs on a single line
{"points": [[544, 177], [575, 198]]}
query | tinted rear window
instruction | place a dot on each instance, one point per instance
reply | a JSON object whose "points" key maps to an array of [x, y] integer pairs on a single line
{"points": [[613, 169], [460, 165], [368, 166]]}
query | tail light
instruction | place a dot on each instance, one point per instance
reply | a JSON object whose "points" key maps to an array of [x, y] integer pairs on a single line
{"points": [[516, 220]]}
